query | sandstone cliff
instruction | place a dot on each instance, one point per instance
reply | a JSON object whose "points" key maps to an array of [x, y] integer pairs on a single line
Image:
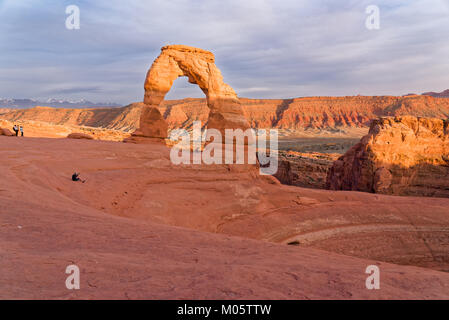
{"points": [[400, 155], [294, 114], [307, 170]]}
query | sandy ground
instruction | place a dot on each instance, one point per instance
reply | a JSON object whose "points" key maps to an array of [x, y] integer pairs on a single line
{"points": [[141, 227]]}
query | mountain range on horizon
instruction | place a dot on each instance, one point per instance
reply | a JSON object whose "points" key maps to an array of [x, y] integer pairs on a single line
{"points": [[25, 103], [443, 94]]}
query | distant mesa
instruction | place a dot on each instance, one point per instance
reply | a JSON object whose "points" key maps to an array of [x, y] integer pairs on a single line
{"points": [[79, 135], [400, 156], [444, 94], [199, 67]]}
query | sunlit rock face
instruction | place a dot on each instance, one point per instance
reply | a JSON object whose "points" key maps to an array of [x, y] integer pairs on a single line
{"points": [[199, 67], [400, 155]]}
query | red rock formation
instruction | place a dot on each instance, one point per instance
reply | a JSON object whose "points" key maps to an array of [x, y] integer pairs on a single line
{"points": [[400, 156], [284, 173], [199, 66], [78, 135], [152, 127], [337, 112], [6, 132], [304, 169], [296, 114], [125, 118]]}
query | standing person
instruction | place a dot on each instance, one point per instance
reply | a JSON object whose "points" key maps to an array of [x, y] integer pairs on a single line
{"points": [[16, 129], [21, 131]]}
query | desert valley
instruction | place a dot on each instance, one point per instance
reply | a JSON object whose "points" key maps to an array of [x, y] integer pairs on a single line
{"points": [[362, 180]]}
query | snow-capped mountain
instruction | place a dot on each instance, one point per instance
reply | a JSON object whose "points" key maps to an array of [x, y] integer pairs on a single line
{"points": [[52, 102]]}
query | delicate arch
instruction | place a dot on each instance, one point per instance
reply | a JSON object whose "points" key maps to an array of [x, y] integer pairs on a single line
{"points": [[199, 67]]}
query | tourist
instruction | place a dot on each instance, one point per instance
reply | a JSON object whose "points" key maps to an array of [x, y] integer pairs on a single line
{"points": [[76, 177], [16, 129], [21, 131]]}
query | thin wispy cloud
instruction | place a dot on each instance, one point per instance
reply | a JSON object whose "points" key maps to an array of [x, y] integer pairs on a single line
{"points": [[265, 49]]}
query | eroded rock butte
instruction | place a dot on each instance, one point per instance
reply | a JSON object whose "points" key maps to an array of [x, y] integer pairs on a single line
{"points": [[400, 155]]}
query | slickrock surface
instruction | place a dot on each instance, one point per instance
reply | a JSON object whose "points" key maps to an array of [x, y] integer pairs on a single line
{"points": [[401, 156], [119, 228], [124, 228]]}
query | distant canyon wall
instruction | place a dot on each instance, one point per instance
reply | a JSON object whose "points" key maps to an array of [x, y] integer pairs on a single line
{"points": [[293, 114]]}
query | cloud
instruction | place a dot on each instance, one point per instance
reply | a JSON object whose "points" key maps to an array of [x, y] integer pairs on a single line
{"points": [[254, 89], [264, 48], [72, 90]]}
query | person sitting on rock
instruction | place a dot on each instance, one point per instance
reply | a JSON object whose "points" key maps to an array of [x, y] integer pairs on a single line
{"points": [[76, 177]]}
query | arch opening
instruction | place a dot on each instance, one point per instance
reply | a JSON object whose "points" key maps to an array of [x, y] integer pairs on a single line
{"points": [[183, 89]]}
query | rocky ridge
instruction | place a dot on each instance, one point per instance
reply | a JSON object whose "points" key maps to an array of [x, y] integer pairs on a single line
{"points": [[299, 114]]}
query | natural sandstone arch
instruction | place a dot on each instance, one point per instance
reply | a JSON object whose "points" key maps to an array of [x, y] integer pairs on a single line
{"points": [[199, 66]]}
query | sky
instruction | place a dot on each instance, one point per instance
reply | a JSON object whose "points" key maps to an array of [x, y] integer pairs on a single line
{"points": [[264, 48]]}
